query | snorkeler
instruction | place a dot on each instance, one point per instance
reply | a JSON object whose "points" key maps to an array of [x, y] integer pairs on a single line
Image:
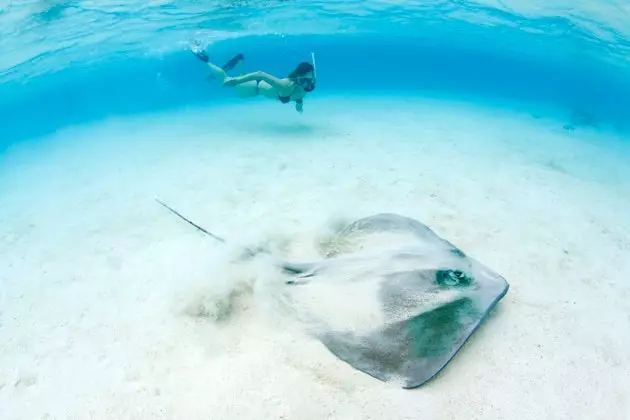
{"points": [[294, 87]]}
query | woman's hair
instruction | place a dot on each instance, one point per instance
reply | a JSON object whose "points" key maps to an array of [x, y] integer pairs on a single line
{"points": [[301, 70]]}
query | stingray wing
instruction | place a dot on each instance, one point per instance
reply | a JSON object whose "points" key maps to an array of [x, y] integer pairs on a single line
{"points": [[414, 349], [428, 299]]}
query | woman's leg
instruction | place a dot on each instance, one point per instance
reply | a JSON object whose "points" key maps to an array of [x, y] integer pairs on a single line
{"points": [[221, 72], [217, 72], [244, 90]]}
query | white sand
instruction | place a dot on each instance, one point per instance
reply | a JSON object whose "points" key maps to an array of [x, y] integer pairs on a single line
{"points": [[108, 303]]}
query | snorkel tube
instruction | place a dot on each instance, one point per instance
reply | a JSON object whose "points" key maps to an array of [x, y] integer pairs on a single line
{"points": [[312, 85]]}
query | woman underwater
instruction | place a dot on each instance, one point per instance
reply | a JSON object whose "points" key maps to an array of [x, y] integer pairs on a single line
{"points": [[293, 87]]}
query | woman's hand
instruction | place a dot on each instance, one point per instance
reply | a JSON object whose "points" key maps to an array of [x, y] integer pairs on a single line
{"points": [[231, 81]]}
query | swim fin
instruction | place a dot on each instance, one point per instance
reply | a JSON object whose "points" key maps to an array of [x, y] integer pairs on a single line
{"points": [[232, 62], [199, 52]]}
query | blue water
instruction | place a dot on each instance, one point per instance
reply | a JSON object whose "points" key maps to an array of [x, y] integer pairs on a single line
{"points": [[92, 269], [64, 63]]}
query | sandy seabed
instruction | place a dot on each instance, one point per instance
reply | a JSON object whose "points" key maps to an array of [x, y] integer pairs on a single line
{"points": [[111, 308]]}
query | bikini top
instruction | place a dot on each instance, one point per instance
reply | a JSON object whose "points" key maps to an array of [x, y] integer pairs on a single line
{"points": [[287, 99], [284, 99]]}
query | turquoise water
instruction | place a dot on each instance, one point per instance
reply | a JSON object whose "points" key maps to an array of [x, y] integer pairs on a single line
{"points": [[502, 125], [63, 63]]}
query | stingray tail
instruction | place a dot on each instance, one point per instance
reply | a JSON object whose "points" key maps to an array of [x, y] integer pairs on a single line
{"points": [[218, 238], [287, 267]]}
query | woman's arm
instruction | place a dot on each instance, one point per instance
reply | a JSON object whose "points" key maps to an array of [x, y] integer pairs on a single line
{"points": [[258, 75]]}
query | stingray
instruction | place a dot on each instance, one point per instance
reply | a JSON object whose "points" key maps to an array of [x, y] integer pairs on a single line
{"points": [[391, 298]]}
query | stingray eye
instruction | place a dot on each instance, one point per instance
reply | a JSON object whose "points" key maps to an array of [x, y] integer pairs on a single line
{"points": [[453, 278]]}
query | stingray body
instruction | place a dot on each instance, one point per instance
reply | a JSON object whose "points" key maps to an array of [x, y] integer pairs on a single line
{"points": [[393, 299]]}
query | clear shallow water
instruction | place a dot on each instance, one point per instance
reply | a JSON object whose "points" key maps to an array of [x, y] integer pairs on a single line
{"points": [[91, 265], [72, 61]]}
